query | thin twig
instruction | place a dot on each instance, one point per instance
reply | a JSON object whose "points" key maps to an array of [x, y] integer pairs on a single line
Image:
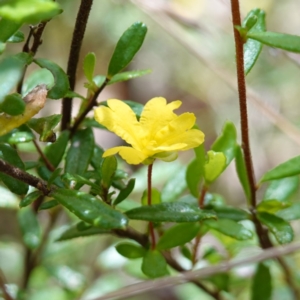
{"points": [[92, 102], [48, 164], [23, 176], [185, 277], [78, 34]]}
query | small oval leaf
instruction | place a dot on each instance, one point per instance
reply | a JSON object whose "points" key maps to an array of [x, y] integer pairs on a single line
{"points": [[169, 212], [283, 41], [214, 167], [130, 250], [286, 169], [126, 48], [90, 209], [281, 229], [178, 235], [154, 264], [61, 85]]}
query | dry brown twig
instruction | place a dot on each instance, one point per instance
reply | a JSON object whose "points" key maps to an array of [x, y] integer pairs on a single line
{"points": [[185, 277]]}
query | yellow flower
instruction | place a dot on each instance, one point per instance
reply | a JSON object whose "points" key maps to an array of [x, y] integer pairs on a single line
{"points": [[159, 133]]}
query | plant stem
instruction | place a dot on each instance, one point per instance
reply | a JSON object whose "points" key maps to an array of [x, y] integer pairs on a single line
{"points": [[21, 175], [43, 156], [202, 197], [262, 234], [36, 32], [78, 34], [239, 48], [149, 202], [91, 104]]}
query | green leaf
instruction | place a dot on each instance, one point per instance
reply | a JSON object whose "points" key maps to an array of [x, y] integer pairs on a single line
{"points": [[178, 235], [228, 212], [80, 152], [127, 46], [90, 209], [155, 197], [261, 288], [7, 29], [195, 171], [61, 85], [13, 104], [174, 187], [154, 264], [11, 72], [283, 41], [55, 151], [214, 167], [21, 135], [30, 198], [11, 156], [124, 193], [124, 76], [281, 229], [18, 37], [253, 48], [108, 169], [48, 204], [282, 189], [130, 250], [169, 212], [271, 206], [38, 77], [45, 126], [76, 230], [286, 169], [230, 228], [97, 158], [226, 142], [241, 171], [30, 229], [291, 213], [89, 66], [29, 11], [80, 180]]}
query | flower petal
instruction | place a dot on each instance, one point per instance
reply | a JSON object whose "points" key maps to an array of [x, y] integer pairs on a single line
{"points": [[120, 119], [191, 139], [157, 114], [131, 155], [177, 126]]}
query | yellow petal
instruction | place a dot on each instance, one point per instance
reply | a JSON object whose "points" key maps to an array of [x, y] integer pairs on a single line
{"points": [[191, 138], [132, 156], [157, 114], [178, 125], [120, 119]]}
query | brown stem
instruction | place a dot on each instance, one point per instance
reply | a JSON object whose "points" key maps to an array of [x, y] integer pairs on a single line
{"points": [[36, 32], [236, 18], [262, 234], [21, 175], [195, 249], [78, 34], [202, 197], [48, 164], [91, 104]]}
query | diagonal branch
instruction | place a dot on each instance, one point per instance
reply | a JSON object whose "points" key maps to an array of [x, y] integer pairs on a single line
{"points": [[23, 176]]}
